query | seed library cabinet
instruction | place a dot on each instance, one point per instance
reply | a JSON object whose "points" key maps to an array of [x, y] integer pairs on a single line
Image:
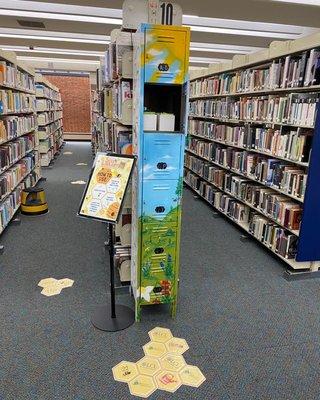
{"points": [[160, 101]]}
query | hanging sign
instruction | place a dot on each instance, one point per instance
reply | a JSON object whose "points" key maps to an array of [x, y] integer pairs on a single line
{"points": [[106, 188], [150, 11]]}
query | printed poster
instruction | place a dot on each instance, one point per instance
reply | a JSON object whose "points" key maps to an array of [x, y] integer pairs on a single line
{"points": [[106, 187]]}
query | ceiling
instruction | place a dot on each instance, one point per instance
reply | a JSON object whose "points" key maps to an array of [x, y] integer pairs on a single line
{"points": [[75, 34]]}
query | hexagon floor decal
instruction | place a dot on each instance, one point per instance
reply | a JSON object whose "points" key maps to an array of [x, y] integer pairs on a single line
{"points": [[52, 286], [163, 367]]}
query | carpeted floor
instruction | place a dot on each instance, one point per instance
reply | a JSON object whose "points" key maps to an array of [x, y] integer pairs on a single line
{"points": [[253, 334]]}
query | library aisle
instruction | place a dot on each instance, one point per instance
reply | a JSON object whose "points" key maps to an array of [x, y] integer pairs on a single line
{"points": [[236, 311]]}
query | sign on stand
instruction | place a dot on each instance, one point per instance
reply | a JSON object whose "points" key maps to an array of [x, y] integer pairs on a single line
{"points": [[106, 188], [102, 200]]}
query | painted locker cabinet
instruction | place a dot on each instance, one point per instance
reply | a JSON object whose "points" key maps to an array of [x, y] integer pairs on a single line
{"points": [[160, 72]]}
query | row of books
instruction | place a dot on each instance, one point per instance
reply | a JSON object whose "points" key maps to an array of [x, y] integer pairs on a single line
{"points": [[46, 130], [10, 205], [46, 118], [286, 212], [288, 178], [121, 93], [118, 58], [292, 144], [101, 136], [44, 104], [292, 71], [25, 81], [12, 151], [16, 102], [295, 109], [10, 179], [266, 231], [45, 91], [10, 75], [15, 126], [121, 139], [278, 207]]}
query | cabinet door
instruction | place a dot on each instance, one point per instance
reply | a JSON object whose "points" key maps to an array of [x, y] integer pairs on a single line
{"points": [[158, 268], [160, 202], [162, 156], [165, 56]]}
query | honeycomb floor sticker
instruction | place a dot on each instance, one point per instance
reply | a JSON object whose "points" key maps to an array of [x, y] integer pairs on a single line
{"points": [[163, 366], [53, 287]]}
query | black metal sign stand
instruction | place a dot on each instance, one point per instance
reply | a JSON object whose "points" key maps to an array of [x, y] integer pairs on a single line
{"points": [[113, 317]]}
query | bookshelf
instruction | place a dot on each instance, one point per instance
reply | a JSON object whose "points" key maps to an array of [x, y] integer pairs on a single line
{"points": [[49, 119], [252, 126], [112, 130], [19, 157]]}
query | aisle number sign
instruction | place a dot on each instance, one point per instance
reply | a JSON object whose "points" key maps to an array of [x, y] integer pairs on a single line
{"points": [[136, 12], [106, 188]]}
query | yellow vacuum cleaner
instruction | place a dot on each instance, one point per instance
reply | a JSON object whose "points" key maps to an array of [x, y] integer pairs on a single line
{"points": [[33, 201]]}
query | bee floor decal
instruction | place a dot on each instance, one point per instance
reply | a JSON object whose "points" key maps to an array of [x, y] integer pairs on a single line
{"points": [[161, 368]]}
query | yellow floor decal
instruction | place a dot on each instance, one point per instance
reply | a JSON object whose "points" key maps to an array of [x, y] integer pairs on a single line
{"points": [[78, 183], [163, 367], [52, 286]]}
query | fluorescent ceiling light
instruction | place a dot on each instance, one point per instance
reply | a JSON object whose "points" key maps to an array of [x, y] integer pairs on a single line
{"points": [[190, 16], [223, 48], [49, 50], [56, 39], [205, 60], [212, 50], [243, 32], [71, 9], [53, 36], [58, 60], [306, 2], [61, 17]]}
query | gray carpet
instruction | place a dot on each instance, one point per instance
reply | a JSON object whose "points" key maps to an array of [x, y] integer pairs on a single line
{"points": [[253, 334]]}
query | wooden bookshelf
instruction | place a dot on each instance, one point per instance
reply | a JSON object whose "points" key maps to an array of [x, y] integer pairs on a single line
{"points": [[51, 131], [18, 132], [281, 80]]}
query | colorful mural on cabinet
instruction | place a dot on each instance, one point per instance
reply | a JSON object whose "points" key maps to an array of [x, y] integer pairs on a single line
{"points": [[161, 56]]}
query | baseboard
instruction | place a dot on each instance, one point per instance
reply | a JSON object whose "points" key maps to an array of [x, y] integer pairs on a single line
{"points": [[77, 136]]}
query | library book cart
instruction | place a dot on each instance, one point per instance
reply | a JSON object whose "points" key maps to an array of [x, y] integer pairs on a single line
{"points": [[19, 155], [253, 148]]}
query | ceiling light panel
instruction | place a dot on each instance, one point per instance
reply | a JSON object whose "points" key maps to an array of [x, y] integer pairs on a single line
{"points": [[53, 36], [302, 2], [58, 60], [222, 48], [49, 50], [63, 8], [61, 17], [206, 60]]}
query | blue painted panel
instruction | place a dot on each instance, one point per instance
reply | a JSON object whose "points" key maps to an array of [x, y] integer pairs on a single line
{"points": [[161, 155], [309, 242], [159, 198]]}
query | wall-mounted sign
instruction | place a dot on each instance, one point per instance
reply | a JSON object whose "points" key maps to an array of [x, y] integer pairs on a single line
{"points": [[106, 188]]}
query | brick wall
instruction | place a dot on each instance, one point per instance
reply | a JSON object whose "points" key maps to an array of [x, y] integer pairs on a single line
{"points": [[75, 94]]}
